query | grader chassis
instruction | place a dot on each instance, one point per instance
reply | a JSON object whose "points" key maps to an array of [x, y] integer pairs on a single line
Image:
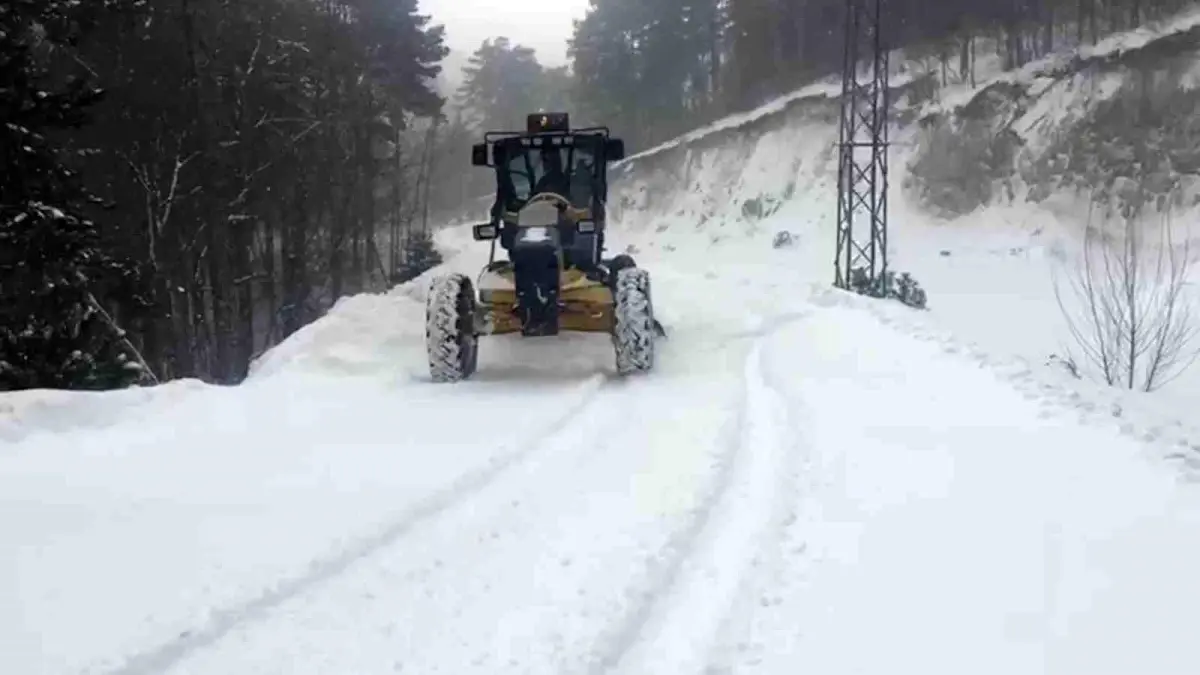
{"points": [[549, 217]]}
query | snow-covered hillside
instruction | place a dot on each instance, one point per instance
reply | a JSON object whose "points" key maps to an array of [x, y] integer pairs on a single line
{"points": [[808, 482], [989, 184]]}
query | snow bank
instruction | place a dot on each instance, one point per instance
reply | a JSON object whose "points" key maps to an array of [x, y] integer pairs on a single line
{"points": [[1159, 421], [367, 334], [373, 334], [955, 525], [52, 411]]}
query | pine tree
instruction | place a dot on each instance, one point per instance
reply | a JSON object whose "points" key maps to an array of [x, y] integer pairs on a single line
{"points": [[605, 66], [53, 332], [648, 68], [420, 256], [502, 83], [753, 38]]}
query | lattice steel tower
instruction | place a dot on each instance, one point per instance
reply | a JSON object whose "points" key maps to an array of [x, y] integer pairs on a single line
{"points": [[862, 236]]}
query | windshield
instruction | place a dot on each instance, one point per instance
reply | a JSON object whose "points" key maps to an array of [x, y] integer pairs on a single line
{"points": [[569, 171]]}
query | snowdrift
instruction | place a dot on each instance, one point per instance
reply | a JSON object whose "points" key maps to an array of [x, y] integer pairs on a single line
{"points": [[53, 411]]}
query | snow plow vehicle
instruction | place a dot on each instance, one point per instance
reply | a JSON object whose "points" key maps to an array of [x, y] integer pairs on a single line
{"points": [[549, 217]]}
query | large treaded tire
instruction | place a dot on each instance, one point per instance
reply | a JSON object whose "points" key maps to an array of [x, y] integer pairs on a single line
{"points": [[450, 339], [633, 329]]}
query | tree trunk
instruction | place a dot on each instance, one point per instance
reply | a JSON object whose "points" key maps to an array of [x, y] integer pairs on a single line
{"points": [[1048, 28]]}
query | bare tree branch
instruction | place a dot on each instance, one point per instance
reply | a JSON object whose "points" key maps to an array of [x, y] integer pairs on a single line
{"points": [[1130, 319]]}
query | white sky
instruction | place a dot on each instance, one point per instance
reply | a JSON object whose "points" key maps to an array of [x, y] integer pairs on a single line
{"points": [[543, 25]]}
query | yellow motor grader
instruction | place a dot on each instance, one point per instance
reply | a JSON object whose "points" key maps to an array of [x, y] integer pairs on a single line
{"points": [[549, 217]]}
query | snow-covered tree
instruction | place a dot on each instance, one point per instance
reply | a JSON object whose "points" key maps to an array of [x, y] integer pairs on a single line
{"points": [[53, 331], [420, 255]]}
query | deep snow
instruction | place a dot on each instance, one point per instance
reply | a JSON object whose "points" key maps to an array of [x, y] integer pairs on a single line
{"points": [[808, 482]]}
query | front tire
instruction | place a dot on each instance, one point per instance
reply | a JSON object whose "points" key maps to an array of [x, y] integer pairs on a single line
{"points": [[633, 329], [450, 339]]}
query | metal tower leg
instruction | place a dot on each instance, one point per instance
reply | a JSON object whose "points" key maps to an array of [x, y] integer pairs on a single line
{"points": [[861, 260]]}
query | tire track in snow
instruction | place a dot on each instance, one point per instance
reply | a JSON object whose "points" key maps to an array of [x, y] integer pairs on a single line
{"points": [[440, 599], [509, 604], [693, 594], [222, 621], [747, 629], [739, 640]]}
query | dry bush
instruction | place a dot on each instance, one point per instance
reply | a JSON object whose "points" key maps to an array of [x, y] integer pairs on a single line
{"points": [[1132, 325]]}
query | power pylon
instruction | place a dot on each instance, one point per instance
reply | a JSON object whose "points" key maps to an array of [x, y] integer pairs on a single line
{"points": [[862, 233]]}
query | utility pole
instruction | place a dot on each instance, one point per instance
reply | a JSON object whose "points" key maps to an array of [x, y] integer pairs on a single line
{"points": [[860, 263]]}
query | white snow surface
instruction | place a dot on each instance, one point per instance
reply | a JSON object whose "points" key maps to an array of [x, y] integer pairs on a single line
{"points": [[807, 482]]}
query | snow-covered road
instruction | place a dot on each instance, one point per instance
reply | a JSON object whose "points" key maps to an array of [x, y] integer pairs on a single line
{"points": [[805, 484]]}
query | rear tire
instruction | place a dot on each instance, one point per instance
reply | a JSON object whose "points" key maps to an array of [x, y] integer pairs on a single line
{"points": [[633, 329], [450, 339]]}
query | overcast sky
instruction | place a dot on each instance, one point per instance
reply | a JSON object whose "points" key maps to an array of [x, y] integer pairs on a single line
{"points": [[543, 25]]}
